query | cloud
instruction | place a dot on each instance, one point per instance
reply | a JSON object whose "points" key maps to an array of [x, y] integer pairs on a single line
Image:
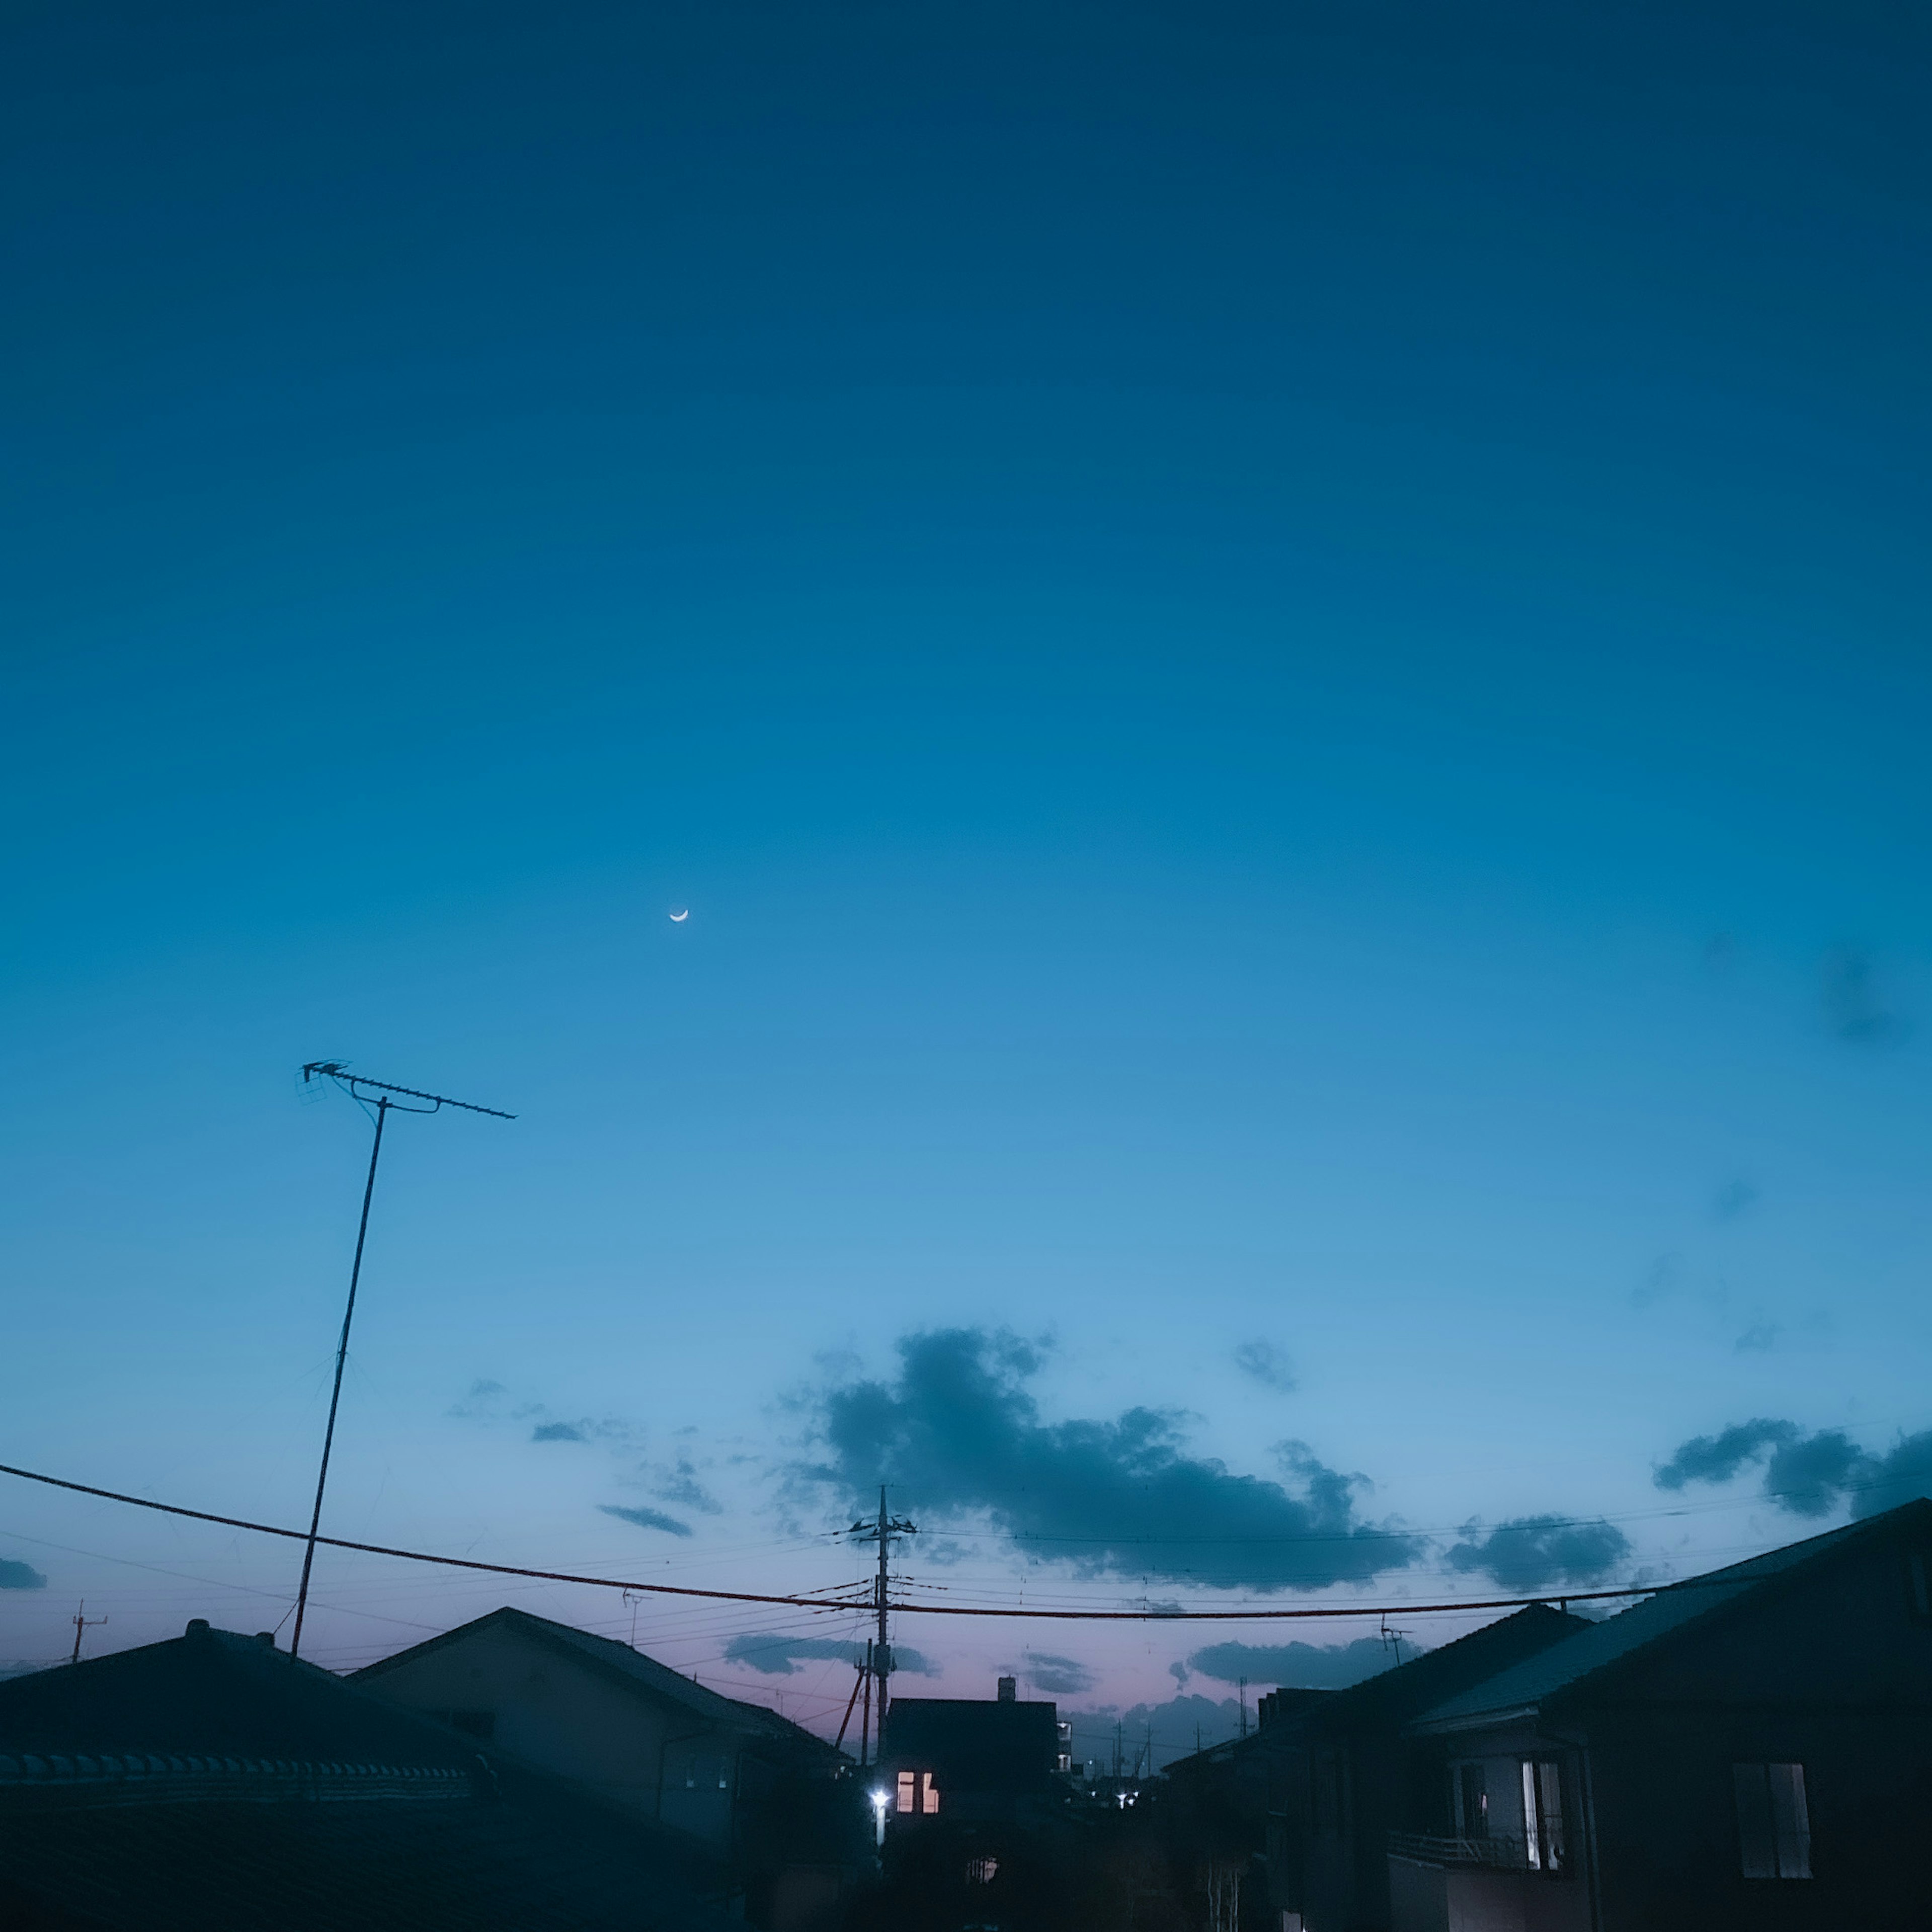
{"points": [[780, 1656], [1759, 1337], [1059, 1676], [1530, 1552], [1268, 1365], [960, 1434], [1311, 1666], [1180, 1672], [480, 1403], [1807, 1475], [557, 1432], [1717, 1458], [15, 1575], [647, 1519], [1855, 1008], [680, 1485], [1733, 1197]]}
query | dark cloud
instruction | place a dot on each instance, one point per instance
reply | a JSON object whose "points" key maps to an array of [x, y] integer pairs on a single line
{"points": [[1058, 1676], [1308, 1666], [1901, 1475], [680, 1485], [1733, 1197], [1531, 1552], [557, 1432], [1717, 1458], [480, 1403], [647, 1519], [960, 1435], [1180, 1672], [15, 1575], [1856, 1009], [780, 1656], [1267, 1365], [1806, 1474], [1809, 1477]]}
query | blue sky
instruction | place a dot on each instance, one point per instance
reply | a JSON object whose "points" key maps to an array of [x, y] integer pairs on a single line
{"points": [[1281, 660]]}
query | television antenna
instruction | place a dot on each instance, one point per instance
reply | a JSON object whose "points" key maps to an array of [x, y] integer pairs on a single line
{"points": [[389, 1098]]}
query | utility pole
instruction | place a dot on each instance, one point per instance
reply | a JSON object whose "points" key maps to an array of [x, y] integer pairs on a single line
{"points": [[865, 1719], [82, 1622], [386, 1093], [882, 1529]]}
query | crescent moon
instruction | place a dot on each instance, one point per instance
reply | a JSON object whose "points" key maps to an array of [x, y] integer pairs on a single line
{"points": [[679, 918]]}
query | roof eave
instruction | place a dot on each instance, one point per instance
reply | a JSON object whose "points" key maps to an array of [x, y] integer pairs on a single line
{"points": [[1476, 1720]]}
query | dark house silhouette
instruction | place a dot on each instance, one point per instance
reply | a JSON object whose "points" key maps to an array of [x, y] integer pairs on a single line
{"points": [[213, 1781], [969, 1759], [778, 1812], [1343, 1773], [1751, 1749]]}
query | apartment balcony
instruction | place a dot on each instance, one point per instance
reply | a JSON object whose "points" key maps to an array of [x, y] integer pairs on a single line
{"points": [[1479, 1884], [1501, 1853]]}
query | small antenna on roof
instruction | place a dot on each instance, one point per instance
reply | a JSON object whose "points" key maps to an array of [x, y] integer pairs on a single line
{"points": [[1392, 1638], [82, 1623]]}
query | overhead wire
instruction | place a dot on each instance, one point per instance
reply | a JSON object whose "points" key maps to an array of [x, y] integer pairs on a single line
{"points": [[824, 1605]]}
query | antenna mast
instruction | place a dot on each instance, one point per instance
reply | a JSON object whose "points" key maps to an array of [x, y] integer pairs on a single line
{"points": [[388, 1096]]}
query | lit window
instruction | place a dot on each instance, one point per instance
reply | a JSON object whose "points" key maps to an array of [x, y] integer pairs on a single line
{"points": [[908, 1785], [932, 1797], [1773, 1821], [1543, 1815]]}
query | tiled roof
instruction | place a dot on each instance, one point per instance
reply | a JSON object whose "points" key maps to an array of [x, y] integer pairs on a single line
{"points": [[214, 1781], [1597, 1646], [213, 1693]]}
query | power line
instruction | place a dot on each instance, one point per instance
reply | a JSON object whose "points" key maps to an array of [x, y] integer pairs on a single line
{"points": [[824, 1605], [424, 1555]]}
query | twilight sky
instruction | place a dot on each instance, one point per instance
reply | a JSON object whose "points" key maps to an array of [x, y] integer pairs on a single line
{"points": [[1282, 654]]}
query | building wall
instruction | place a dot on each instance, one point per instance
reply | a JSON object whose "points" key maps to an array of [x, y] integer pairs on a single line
{"points": [[567, 1717], [1837, 1676], [1667, 1824]]}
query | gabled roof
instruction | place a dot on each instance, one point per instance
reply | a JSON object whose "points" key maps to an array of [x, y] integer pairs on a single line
{"points": [[628, 1668], [135, 1794], [212, 1693], [1392, 1697], [1676, 1606]]}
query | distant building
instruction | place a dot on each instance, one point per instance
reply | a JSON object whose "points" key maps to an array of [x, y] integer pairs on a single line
{"points": [[778, 1809], [971, 1760], [214, 1781]]}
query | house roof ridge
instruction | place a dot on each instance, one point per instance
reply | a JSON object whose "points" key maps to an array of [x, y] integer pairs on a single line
{"points": [[636, 1669], [1672, 1609]]}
